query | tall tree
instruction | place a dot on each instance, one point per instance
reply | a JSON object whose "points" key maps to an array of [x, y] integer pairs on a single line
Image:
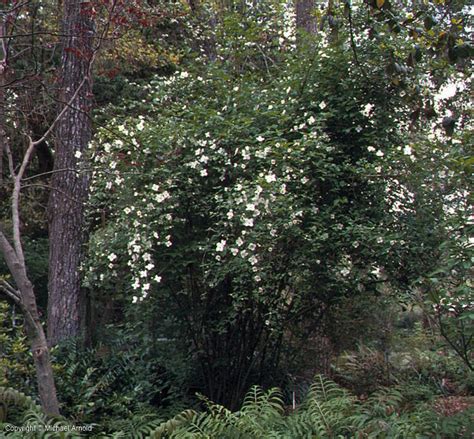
{"points": [[21, 292], [305, 19], [68, 187]]}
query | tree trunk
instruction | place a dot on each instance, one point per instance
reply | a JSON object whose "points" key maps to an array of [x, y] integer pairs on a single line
{"points": [[26, 300], [305, 19], [69, 188]]}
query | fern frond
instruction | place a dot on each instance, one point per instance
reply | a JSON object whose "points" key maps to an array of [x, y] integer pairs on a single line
{"points": [[324, 389], [173, 424]]}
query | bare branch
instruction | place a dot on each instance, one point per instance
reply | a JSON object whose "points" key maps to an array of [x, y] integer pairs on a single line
{"points": [[9, 291]]}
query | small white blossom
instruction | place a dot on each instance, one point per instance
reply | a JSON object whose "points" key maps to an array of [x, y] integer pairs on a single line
{"points": [[248, 222], [78, 154], [367, 110], [220, 245], [322, 105], [260, 138], [270, 178]]}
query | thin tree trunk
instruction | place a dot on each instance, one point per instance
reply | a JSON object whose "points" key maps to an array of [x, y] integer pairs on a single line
{"points": [[69, 189], [26, 300]]}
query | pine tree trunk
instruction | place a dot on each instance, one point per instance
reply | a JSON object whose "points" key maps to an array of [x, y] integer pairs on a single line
{"points": [[69, 188], [305, 19]]}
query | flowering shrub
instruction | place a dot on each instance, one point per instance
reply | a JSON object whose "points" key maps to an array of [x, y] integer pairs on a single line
{"points": [[242, 198]]}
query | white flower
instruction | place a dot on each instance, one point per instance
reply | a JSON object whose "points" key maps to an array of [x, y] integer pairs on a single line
{"points": [[234, 251], [252, 247], [311, 120], [134, 299], [322, 105], [376, 271], [140, 125], [239, 241], [250, 207], [253, 260], [220, 245], [270, 178], [184, 75], [230, 214], [379, 153], [150, 266], [112, 257], [78, 154], [157, 279], [248, 222], [367, 109], [345, 271], [203, 172], [146, 287], [155, 188], [260, 138], [407, 150], [370, 149], [379, 240]]}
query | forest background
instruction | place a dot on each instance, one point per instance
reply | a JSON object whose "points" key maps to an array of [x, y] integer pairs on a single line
{"points": [[236, 219]]}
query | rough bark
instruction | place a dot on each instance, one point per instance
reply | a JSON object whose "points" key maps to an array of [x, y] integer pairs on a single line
{"points": [[305, 20], [68, 188]]}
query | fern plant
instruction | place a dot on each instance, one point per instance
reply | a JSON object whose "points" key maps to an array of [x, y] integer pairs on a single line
{"points": [[22, 418]]}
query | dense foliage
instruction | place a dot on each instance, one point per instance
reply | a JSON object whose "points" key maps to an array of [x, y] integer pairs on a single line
{"points": [[266, 205]]}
